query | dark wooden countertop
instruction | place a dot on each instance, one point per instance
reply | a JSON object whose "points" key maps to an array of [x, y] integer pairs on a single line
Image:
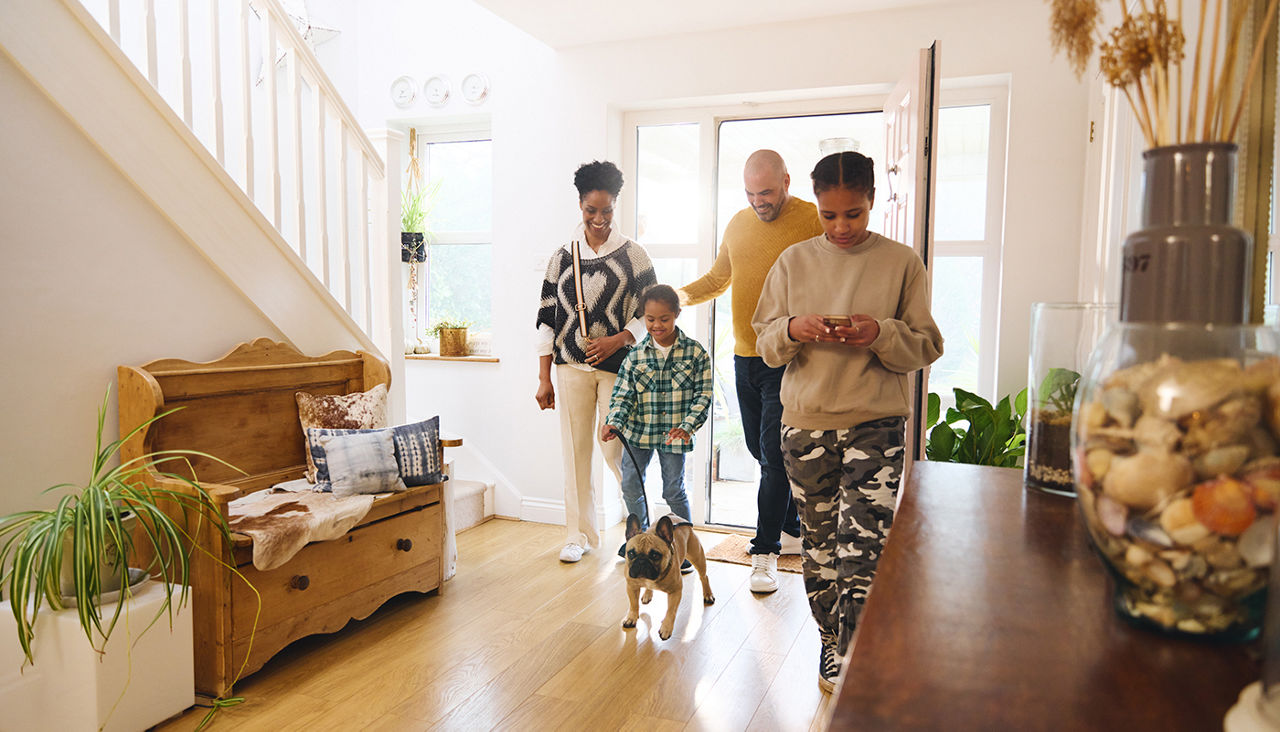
{"points": [[990, 611]]}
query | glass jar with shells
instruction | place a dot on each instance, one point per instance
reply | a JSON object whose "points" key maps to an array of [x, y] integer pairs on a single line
{"points": [[1177, 472]]}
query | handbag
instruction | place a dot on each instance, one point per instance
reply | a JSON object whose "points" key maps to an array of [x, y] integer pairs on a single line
{"points": [[613, 362]]}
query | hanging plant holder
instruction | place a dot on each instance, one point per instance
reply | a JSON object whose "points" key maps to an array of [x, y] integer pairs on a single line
{"points": [[412, 247]]}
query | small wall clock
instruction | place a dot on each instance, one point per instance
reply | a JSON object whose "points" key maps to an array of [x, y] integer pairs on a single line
{"points": [[437, 90], [475, 88], [403, 91]]}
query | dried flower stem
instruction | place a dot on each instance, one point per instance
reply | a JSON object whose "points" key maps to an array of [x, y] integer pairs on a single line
{"points": [[1144, 119], [1237, 11], [1254, 62], [1177, 84], [1211, 95], [1195, 74]]}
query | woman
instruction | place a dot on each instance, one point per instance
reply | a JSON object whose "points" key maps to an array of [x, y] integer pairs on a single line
{"points": [[614, 273], [844, 392]]}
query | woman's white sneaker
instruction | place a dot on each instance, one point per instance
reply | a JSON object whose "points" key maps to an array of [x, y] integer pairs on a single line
{"points": [[572, 552], [764, 572], [790, 544]]}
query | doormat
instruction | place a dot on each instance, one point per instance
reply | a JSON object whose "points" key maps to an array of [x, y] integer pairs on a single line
{"points": [[733, 549]]}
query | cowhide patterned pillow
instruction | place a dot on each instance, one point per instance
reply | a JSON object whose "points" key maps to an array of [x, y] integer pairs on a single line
{"points": [[359, 411]]}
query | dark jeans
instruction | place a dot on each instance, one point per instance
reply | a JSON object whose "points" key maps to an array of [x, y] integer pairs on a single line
{"points": [[761, 406]]}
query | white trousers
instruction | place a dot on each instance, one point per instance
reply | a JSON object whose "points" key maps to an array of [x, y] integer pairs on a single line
{"points": [[582, 398]]}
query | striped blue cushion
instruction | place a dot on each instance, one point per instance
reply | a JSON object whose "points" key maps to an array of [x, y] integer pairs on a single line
{"points": [[416, 450], [361, 462]]}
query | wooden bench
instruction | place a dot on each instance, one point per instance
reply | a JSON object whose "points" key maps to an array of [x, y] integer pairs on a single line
{"points": [[241, 409]]}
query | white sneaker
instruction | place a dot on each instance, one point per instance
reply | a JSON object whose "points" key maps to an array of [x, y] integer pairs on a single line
{"points": [[573, 552], [790, 544], [764, 572]]}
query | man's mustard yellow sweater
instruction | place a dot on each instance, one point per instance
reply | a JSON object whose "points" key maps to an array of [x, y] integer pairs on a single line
{"points": [[749, 249]]}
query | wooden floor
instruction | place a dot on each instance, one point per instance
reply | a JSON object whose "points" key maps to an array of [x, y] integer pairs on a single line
{"points": [[520, 641]]}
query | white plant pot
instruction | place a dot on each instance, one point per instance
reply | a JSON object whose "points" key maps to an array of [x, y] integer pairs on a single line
{"points": [[146, 676]]}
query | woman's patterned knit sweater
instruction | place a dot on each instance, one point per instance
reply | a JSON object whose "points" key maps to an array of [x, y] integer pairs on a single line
{"points": [[611, 287]]}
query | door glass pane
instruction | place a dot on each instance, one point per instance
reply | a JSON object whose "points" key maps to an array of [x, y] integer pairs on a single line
{"points": [[963, 148], [735, 474], [957, 309], [796, 139], [679, 271], [667, 184], [464, 171]]}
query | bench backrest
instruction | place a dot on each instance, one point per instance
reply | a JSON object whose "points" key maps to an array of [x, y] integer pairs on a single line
{"points": [[240, 408]]}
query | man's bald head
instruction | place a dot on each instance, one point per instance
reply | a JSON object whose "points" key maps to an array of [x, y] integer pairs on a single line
{"points": [[766, 182]]}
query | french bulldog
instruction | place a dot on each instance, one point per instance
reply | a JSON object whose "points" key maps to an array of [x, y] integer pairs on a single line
{"points": [[653, 563]]}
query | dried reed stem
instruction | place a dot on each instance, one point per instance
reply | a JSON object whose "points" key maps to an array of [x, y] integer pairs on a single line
{"points": [[1237, 11], [1211, 95], [1145, 118], [1195, 74], [1254, 62], [1177, 85]]}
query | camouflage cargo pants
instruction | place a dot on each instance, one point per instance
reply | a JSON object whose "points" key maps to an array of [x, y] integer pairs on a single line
{"points": [[845, 483]]}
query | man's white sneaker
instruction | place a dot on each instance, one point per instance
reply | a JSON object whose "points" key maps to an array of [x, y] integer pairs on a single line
{"points": [[764, 572], [572, 552], [790, 544]]}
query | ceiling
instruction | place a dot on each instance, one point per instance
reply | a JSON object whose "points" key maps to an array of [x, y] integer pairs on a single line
{"points": [[566, 23]]}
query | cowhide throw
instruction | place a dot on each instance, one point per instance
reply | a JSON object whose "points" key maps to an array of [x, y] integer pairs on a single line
{"points": [[282, 522]]}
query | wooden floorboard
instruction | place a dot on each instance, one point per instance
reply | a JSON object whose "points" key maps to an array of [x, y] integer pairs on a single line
{"points": [[520, 641]]}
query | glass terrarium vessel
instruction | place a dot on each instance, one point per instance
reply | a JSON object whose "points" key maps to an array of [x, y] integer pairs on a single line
{"points": [[1175, 457]]}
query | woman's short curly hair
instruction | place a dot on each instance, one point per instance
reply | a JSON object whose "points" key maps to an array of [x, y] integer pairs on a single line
{"points": [[850, 170], [597, 175]]}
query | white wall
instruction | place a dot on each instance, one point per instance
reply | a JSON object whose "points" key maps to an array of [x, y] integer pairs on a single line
{"points": [[551, 111], [93, 277]]}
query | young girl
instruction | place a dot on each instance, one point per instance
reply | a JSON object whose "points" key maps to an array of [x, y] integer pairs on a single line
{"points": [[848, 314], [660, 399]]}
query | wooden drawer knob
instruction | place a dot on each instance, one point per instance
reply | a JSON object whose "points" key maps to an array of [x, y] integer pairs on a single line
{"points": [[404, 545], [300, 582]]}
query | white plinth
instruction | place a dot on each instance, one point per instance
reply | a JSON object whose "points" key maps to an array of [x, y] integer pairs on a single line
{"points": [[71, 687]]}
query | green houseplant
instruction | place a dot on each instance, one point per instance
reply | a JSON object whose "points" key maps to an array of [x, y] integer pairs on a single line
{"points": [[95, 529], [976, 432]]}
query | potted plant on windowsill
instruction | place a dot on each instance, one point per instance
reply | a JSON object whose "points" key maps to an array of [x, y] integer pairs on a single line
{"points": [[76, 554], [452, 335]]}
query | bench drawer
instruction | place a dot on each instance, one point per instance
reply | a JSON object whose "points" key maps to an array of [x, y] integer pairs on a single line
{"points": [[328, 570]]}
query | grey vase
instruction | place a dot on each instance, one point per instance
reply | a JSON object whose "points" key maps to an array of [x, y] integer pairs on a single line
{"points": [[1187, 264]]}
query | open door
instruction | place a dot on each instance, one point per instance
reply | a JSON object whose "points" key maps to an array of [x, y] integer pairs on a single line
{"points": [[911, 120]]}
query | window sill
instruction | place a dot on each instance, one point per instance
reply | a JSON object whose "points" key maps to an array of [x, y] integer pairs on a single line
{"points": [[436, 357]]}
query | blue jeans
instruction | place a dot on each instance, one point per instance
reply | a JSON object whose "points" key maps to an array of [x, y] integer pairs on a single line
{"points": [[761, 406], [672, 465]]}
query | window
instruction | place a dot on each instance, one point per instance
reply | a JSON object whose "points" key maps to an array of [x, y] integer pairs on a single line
{"points": [[456, 282]]}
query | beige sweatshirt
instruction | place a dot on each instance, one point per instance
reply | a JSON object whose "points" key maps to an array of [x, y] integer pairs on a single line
{"points": [[831, 385]]}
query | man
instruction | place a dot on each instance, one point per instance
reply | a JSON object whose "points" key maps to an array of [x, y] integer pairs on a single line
{"points": [[752, 242]]}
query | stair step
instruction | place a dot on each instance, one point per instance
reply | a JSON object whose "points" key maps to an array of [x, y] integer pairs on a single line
{"points": [[472, 503]]}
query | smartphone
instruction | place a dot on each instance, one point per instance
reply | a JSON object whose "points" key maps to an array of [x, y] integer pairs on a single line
{"points": [[833, 321]]}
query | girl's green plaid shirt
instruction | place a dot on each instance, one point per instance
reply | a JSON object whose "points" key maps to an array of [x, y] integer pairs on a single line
{"points": [[652, 396]]}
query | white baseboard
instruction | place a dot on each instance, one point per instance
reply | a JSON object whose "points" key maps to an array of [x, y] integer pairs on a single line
{"points": [[551, 511]]}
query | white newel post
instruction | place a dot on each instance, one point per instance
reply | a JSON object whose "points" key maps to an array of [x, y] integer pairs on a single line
{"points": [[388, 310]]}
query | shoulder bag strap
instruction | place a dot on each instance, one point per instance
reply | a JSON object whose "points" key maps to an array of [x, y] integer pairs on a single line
{"points": [[580, 306]]}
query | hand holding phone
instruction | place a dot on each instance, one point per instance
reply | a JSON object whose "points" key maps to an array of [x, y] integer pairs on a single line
{"points": [[834, 321]]}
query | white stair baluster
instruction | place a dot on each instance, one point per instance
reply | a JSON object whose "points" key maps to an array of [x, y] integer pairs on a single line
{"points": [[321, 169], [246, 100], [153, 63], [295, 113], [184, 52], [273, 115], [215, 45], [344, 207]]}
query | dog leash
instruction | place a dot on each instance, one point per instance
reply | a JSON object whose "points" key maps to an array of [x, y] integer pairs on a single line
{"points": [[618, 434]]}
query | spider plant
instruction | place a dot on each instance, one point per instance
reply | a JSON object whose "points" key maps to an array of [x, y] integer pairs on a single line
{"points": [[87, 537]]}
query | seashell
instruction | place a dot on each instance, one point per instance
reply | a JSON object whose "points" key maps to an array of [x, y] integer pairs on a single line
{"points": [[1263, 476], [1181, 389], [1191, 625], [1257, 543], [1157, 434], [1221, 461], [1112, 515], [1261, 443], [1161, 574], [1272, 412], [1137, 556], [1140, 528], [1258, 377], [1121, 405], [1227, 424], [1222, 555], [1093, 415], [1224, 505], [1098, 461], [1179, 521], [1134, 377], [1235, 582], [1145, 479]]}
